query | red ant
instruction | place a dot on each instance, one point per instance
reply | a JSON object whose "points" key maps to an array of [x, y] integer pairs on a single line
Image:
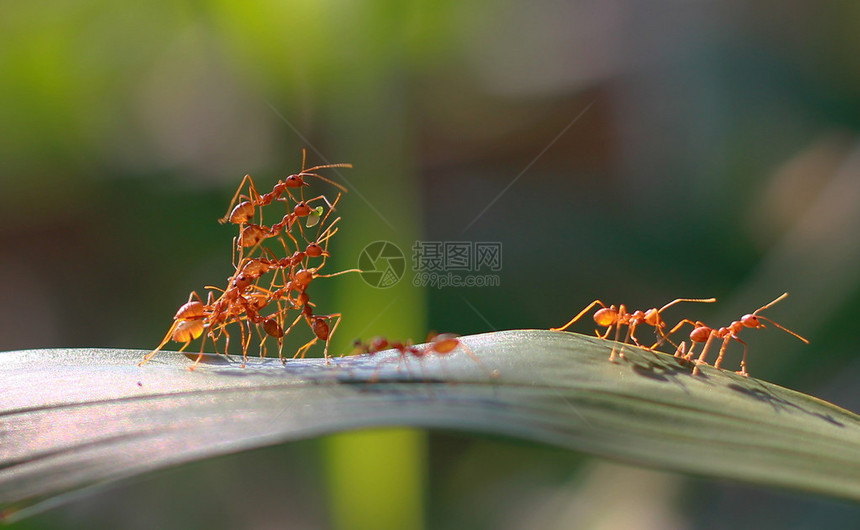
{"points": [[253, 234], [234, 304], [244, 299], [318, 323], [244, 211], [611, 316], [438, 343], [703, 333], [188, 324]]}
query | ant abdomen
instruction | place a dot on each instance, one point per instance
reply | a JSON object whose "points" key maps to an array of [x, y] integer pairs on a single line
{"points": [[190, 310], [252, 235], [188, 330], [273, 328], [700, 334], [321, 328], [445, 343], [242, 213], [606, 316]]}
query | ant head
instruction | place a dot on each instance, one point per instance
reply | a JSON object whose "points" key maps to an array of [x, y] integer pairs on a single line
{"points": [[751, 321], [314, 250], [302, 209], [241, 282], [652, 318], [700, 334], [295, 181], [606, 316]]}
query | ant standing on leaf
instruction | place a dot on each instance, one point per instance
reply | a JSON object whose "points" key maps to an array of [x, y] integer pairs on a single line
{"points": [[610, 316], [189, 323], [703, 333], [438, 343]]}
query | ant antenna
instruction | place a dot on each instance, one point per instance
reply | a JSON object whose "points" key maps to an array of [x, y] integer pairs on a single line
{"points": [[677, 300]]}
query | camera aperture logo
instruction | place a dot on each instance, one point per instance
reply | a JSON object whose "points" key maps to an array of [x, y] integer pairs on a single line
{"points": [[382, 264]]}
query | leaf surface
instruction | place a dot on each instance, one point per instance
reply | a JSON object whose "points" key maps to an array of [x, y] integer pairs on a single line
{"points": [[72, 419]]}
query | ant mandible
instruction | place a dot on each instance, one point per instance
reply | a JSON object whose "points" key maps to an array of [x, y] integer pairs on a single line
{"points": [[609, 316], [703, 333]]}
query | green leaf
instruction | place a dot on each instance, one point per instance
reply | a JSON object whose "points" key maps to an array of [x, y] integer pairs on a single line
{"points": [[70, 419]]}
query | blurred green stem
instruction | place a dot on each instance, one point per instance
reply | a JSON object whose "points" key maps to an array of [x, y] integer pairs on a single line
{"points": [[376, 479]]}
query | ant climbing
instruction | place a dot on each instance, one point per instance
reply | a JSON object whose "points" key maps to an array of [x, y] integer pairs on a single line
{"points": [[252, 235], [245, 210], [703, 333], [245, 299], [319, 324], [610, 316]]}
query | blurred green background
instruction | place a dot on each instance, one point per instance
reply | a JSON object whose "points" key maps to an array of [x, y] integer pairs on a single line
{"points": [[628, 151]]}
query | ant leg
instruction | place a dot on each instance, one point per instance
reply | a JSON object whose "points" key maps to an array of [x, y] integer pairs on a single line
{"points": [[223, 331], [631, 334], [614, 353], [246, 340], [262, 347], [631, 328], [723, 349], [743, 371], [300, 353], [150, 355], [679, 350], [704, 354], [493, 374], [337, 317], [252, 196], [287, 332], [665, 336], [199, 355], [689, 356], [581, 313]]}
